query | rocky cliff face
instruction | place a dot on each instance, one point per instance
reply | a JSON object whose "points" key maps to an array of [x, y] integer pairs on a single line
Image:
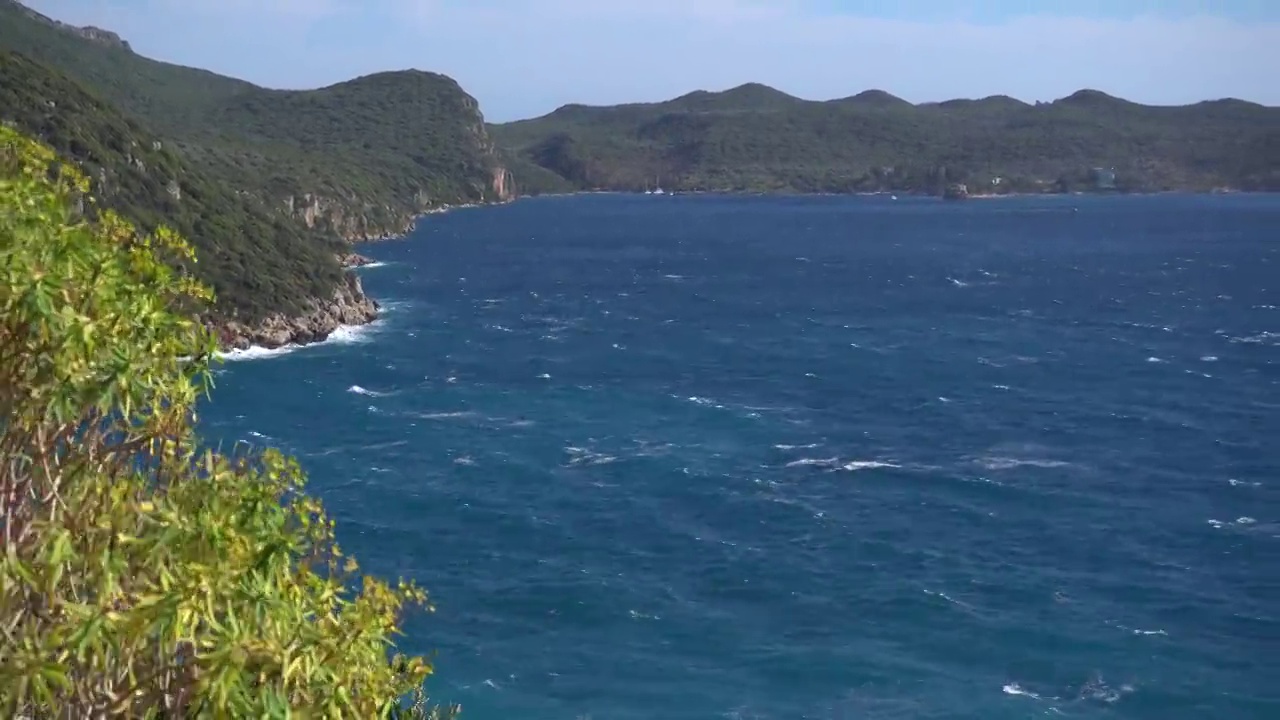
{"points": [[348, 306], [356, 221], [88, 32]]}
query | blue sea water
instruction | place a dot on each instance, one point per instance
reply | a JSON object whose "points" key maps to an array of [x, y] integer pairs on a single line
{"points": [[729, 457]]}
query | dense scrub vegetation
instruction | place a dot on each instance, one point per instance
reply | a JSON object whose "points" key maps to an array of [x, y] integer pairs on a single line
{"points": [[257, 260], [385, 145], [264, 182], [143, 576], [755, 138]]}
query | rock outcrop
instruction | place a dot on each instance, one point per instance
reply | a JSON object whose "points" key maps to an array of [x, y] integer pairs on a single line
{"points": [[348, 306], [353, 260], [88, 32]]}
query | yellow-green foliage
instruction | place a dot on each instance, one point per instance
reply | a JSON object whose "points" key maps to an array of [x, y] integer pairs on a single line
{"points": [[142, 576]]}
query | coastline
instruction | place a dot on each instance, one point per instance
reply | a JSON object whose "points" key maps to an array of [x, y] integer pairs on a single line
{"points": [[348, 309]]}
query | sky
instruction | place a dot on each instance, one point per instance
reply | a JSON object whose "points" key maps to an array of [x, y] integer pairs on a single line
{"points": [[524, 58]]}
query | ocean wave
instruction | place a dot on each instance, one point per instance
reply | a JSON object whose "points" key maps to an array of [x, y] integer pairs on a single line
{"points": [[1008, 463], [342, 335]]}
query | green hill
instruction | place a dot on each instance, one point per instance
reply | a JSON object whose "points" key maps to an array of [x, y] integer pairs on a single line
{"points": [[265, 183], [257, 260], [361, 158], [755, 138]]}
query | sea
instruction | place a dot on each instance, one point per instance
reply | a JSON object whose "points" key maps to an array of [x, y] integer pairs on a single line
{"points": [[812, 457]]}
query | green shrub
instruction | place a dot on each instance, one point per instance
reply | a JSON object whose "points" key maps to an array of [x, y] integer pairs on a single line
{"points": [[142, 576]]}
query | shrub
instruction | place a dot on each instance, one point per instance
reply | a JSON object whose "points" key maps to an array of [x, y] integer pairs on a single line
{"points": [[141, 575]]}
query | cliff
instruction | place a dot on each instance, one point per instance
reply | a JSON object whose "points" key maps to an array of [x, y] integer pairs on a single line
{"points": [[347, 306], [269, 185]]}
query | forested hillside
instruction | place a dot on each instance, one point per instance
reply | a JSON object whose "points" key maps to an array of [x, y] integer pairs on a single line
{"points": [[756, 138], [256, 260], [265, 183]]}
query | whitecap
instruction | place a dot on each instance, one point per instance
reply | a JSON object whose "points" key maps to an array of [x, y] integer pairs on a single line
{"points": [[1015, 689], [1007, 463], [363, 391], [1154, 359], [583, 456], [1245, 521], [1209, 358], [544, 376], [256, 352], [705, 402], [353, 334], [341, 335], [817, 462], [856, 465], [810, 446], [369, 266], [445, 415]]}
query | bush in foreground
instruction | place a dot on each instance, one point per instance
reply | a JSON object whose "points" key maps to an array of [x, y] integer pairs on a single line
{"points": [[140, 575]]}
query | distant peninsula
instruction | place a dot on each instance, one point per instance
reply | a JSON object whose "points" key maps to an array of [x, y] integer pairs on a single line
{"points": [[270, 186], [754, 138]]}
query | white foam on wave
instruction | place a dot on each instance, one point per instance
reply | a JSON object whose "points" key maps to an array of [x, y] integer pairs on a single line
{"points": [[1245, 520], [584, 456], [835, 463], [810, 446], [856, 465], [364, 391], [1015, 689], [453, 415], [1262, 338], [255, 352], [342, 335], [1154, 359], [704, 402], [814, 462], [370, 266], [1008, 463]]}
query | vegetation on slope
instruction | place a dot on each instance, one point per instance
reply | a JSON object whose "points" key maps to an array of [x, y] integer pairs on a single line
{"points": [[756, 138], [364, 156], [257, 260], [142, 576]]}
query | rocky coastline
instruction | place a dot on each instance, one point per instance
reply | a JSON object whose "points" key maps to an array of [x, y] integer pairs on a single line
{"points": [[348, 306]]}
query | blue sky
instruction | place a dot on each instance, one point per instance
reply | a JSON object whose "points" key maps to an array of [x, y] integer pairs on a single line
{"points": [[523, 58]]}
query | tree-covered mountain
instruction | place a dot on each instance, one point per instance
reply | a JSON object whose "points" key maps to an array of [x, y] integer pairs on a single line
{"points": [[257, 260], [756, 138], [362, 157], [265, 183]]}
